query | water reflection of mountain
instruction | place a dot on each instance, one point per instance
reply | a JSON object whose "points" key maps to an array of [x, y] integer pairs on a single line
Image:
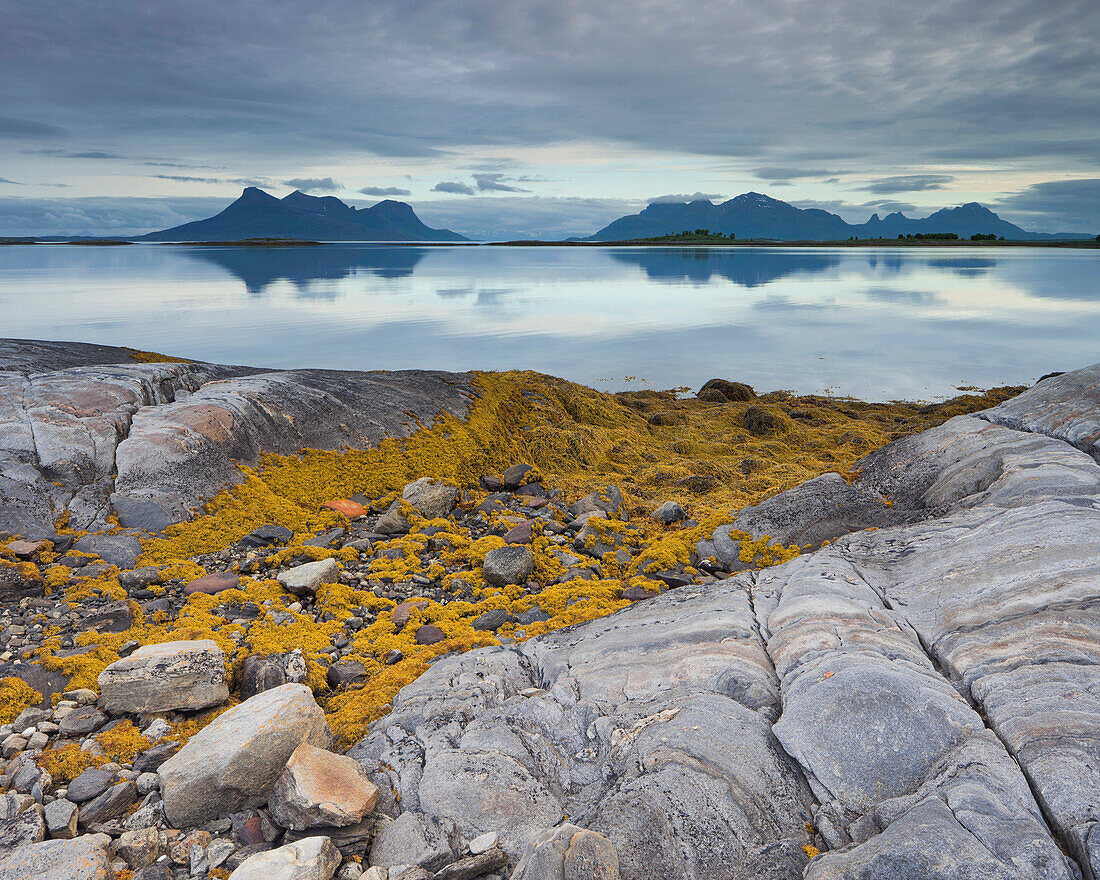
{"points": [[259, 267], [749, 268]]}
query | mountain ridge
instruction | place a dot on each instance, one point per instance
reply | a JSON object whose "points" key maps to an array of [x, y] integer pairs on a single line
{"points": [[756, 215], [258, 214]]}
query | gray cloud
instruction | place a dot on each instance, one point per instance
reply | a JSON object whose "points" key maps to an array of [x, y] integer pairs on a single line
{"points": [[384, 191], [12, 182], [1055, 206], [454, 186], [786, 172], [76, 154], [494, 182], [237, 181], [907, 183], [25, 128], [319, 184], [676, 198]]}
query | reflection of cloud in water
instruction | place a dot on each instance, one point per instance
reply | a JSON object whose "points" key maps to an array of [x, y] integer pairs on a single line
{"points": [[260, 267], [743, 266], [484, 296], [902, 295]]}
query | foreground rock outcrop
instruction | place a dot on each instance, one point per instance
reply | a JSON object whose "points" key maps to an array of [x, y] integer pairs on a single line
{"points": [[924, 693], [905, 686], [82, 431]]}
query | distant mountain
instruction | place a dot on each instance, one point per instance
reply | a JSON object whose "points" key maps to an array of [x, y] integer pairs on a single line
{"points": [[754, 215], [256, 214]]}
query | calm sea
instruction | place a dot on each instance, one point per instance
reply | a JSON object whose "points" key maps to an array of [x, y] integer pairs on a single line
{"points": [[874, 323]]}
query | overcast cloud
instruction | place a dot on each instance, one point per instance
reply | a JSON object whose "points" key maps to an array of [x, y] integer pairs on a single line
{"points": [[943, 101]]}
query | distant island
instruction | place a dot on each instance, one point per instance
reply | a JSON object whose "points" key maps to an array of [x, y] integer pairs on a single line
{"points": [[259, 215], [757, 216]]}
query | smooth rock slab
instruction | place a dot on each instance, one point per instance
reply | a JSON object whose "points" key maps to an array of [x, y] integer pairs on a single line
{"points": [[321, 788], [232, 763], [79, 859], [312, 858], [173, 675]]}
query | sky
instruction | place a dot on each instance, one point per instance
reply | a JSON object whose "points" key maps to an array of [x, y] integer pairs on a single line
{"points": [[546, 118]]}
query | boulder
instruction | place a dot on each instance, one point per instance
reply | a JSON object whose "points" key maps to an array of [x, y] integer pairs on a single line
{"points": [[312, 858], [267, 535], [515, 476], [669, 512], [113, 618], [232, 763], [259, 674], [82, 721], [609, 501], [185, 675], [115, 801], [321, 788], [508, 565], [61, 819], [16, 584], [79, 859], [430, 498], [568, 853], [91, 783], [303, 580]]}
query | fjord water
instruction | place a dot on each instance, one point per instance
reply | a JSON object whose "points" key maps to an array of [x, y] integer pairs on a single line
{"points": [[877, 323]]}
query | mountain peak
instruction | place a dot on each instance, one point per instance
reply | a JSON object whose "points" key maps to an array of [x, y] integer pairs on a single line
{"points": [[257, 214]]}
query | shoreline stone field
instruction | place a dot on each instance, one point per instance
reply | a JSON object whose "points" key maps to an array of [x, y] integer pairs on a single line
{"points": [[311, 624]]}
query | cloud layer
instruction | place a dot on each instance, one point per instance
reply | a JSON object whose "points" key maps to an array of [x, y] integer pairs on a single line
{"points": [[858, 95]]}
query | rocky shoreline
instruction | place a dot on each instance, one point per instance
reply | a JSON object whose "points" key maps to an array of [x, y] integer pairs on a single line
{"points": [[440, 657]]}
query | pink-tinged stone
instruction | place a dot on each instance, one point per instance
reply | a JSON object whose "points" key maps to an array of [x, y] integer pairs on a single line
{"points": [[347, 507], [521, 534], [25, 549], [214, 582], [636, 594], [429, 635], [403, 612], [535, 501]]}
